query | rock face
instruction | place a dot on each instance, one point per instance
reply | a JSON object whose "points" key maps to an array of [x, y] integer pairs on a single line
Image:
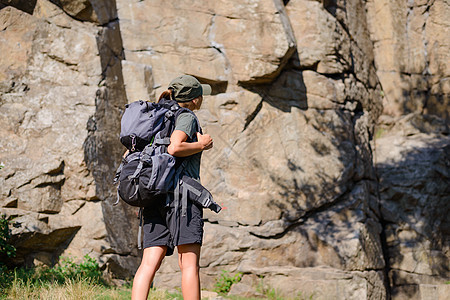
{"points": [[413, 163], [298, 87], [411, 43], [225, 42], [50, 72]]}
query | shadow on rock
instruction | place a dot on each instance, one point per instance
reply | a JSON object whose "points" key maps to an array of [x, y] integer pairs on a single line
{"points": [[413, 169]]}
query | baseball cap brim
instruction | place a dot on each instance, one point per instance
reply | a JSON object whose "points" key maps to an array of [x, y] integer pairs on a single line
{"points": [[206, 89]]}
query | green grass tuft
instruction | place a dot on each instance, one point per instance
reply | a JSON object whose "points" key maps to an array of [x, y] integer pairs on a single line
{"points": [[225, 281]]}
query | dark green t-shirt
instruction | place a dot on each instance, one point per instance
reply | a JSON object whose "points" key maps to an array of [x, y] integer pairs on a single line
{"points": [[187, 123]]}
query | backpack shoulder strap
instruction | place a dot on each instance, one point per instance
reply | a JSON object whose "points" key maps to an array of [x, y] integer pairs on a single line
{"points": [[182, 110], [173, 106]]}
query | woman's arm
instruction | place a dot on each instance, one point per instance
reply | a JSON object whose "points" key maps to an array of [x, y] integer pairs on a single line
{"points": [[180, 148]]}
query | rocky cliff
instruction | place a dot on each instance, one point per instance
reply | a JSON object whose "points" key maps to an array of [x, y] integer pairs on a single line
{"points": [[325, 193]]}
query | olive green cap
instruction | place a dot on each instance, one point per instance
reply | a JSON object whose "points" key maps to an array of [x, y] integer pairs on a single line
{"points": [[186, 88]]}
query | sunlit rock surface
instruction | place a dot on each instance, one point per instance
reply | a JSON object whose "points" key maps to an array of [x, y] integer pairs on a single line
{"points": [[322, 197]]}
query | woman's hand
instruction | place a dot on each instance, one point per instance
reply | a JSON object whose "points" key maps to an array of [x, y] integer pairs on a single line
{"points": [[205, 140]]}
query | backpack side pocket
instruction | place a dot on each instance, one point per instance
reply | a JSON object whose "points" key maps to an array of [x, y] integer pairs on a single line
{"points": [[128, 189], [162, 173]]}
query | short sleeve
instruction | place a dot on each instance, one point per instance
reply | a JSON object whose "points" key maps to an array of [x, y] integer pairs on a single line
{"points": [[187, 123]]}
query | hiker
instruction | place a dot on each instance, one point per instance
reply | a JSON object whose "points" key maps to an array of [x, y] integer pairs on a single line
{"points": [[160, 233]]}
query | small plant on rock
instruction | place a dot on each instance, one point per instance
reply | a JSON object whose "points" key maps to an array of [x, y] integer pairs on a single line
{"points": [[225, 281], [6, 249]]}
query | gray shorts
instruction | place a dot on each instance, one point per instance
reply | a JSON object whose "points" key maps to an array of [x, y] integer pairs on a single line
{"points": [[162, 229]]}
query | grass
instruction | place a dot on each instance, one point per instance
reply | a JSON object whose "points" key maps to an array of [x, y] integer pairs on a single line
{"points": [[69, 280], [77, 289], [71, 289], [74, 289], [299, 296], [66, 280], [65, 271]]}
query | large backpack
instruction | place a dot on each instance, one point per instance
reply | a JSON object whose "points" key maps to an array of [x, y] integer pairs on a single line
{"points": [[148, 173]]}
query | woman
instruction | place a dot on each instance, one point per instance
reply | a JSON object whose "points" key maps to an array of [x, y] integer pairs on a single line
{"points": [[159, 233]]}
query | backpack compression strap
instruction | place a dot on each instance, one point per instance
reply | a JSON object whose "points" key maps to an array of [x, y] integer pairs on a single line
{"points": [[176, 199], [140, 243]]}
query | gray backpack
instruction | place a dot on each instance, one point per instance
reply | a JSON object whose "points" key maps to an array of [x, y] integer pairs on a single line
{"points": [[148, 173]]}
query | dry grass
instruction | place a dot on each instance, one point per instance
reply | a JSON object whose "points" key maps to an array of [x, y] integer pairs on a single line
{"points": [[76, 290], [71, 290]]}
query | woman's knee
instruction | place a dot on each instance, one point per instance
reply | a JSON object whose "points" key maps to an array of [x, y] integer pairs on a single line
{"points": [[153, 257], [189, 264], [189, 270], [189, 257], [153, 265]]}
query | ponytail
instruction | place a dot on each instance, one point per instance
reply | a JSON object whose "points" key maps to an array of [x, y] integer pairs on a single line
{"points": [[167, 94]]}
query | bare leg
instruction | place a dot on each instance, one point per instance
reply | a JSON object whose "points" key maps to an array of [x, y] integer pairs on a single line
{"points": [[151, 261], [188, 259]]}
